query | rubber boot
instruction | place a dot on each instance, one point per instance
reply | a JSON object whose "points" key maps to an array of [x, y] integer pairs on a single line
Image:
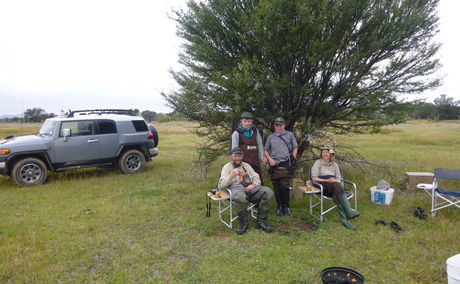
{"points": [[243, 220], [261, 223], [349, 212], [343, 218]]}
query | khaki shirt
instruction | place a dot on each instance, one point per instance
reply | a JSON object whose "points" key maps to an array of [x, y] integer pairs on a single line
{"points": [[226, 180], [321, 168]]}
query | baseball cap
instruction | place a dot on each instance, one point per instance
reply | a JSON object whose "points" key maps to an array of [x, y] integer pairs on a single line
{"points": [[280, 120], [237, 150], [247, 115]]}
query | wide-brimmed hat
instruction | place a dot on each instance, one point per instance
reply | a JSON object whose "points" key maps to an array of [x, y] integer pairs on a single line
{"points": [[237, 150], [247, 115], [279, 120], [327, 147]]}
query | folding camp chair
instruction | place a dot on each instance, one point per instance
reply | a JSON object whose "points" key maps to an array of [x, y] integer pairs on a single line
{"points": [[225, 211], [317, 197], [442, 198]]}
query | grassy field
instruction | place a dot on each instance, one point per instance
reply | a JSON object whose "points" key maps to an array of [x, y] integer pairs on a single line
{"points": [[97, 225]]}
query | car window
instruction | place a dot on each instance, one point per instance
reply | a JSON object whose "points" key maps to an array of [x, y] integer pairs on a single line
{"points": [[107, 126], [78, 128], [140, 125], [47, 128]]}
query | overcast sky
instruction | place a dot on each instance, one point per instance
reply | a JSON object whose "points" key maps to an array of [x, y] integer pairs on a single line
{"points": [[81, 54]]}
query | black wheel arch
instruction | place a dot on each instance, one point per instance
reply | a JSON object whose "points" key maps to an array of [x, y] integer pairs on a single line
{"points": [[140, 147], [41, 155]]}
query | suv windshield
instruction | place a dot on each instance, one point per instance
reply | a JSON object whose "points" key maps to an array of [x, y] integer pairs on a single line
{"points": [[47, 128]]}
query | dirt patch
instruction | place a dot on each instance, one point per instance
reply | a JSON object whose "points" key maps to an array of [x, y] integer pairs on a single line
{"points": [[285, 228]]}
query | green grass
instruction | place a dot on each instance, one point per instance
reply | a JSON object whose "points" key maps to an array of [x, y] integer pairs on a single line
{"points": [[97, 225]]}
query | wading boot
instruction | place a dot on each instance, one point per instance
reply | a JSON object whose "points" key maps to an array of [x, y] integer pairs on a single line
{"points": [[279, 210], [349, 212], [343, 218], [286, 211], [262, 222], [243, 220]]}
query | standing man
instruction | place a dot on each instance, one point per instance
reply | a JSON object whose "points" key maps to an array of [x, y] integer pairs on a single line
{"points": [[281, 152], [249, 140], [244, 184]]}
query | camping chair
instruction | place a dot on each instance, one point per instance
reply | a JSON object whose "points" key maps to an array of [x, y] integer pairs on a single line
{"points": [[317, 198], [225, 211], [442, 198]]}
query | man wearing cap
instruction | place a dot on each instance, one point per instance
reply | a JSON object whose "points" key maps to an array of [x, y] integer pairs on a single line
{"points": [[244, 183], [281, 152], [248, 138]]}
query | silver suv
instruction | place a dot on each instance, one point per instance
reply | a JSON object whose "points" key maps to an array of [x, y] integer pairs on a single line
{"points": [[86, 138]]}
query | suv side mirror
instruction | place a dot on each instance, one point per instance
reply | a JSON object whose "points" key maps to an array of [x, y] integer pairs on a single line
{"points": [[66, 133]]}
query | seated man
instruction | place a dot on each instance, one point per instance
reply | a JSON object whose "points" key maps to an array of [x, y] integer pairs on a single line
{"points": [[244, 183]]}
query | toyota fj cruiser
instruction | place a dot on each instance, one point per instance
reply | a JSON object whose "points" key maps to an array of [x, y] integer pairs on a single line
{"points": [[85, 138]]}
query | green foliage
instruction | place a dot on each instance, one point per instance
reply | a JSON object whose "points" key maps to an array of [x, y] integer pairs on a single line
{"points": [[325, 66], [443, 108], [35, 114], [149, 115], [447, 108]]}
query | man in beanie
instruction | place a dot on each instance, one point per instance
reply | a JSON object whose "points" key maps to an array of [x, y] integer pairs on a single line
{"points": [[244, 184], [281, 152], [248, 138]]}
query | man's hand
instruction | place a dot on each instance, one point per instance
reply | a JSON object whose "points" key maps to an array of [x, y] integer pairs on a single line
{"points": [[250, 187], [272, 162], [331, 180], [264, 160], [234, 172]]}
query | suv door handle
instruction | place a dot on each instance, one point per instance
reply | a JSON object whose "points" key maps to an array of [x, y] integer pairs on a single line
{"points": [[93, 140]]}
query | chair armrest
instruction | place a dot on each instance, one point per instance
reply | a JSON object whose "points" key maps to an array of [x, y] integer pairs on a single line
{"points": [[318, 185], [351, 183]]}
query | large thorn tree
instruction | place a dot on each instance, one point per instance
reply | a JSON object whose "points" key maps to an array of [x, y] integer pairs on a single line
{"points": [[326, 66]]}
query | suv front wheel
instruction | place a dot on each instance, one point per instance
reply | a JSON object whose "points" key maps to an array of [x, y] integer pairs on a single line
{"points": [[29, 171], [131, 162]]}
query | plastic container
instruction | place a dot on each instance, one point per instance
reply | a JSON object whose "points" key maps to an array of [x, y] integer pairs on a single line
{"points": [[453, 269], [381, 196]]}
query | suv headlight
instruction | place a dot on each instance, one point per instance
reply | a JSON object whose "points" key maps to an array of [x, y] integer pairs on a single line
{"points": [[5, 151]]}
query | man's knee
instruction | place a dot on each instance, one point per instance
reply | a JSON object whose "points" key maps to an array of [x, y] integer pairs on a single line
{"points": [[268, 192], [239, 197]]}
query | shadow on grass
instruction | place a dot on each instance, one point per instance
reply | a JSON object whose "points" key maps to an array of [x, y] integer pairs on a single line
{"points": [[83, 173]]}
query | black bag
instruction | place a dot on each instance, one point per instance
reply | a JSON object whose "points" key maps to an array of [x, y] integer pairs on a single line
{"points": [[292, 162]]}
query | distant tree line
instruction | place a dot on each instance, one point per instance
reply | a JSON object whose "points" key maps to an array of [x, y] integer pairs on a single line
{"points": [[39, 115], [443, 108]]}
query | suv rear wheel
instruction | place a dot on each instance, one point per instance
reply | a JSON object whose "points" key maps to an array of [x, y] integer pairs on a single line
{"points": [[131, 162], [29, 171]]}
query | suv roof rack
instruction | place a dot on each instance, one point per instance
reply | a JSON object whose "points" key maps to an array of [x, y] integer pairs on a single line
{"points": [[102, 111]]}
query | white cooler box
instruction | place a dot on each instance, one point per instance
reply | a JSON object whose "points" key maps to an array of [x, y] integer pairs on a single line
{"points": [[380, 196], [453, 269]]}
